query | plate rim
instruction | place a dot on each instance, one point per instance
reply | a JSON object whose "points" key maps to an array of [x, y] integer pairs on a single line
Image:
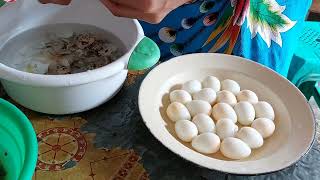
{"points": [[306, 151]]}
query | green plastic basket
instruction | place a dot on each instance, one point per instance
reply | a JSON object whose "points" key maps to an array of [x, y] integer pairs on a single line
{"points": [[18, 144], [305, 66]]}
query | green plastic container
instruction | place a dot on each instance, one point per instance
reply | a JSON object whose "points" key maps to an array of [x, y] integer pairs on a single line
{"points": [[18, 144]]}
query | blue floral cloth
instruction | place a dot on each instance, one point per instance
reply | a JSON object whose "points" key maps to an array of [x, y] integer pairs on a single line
{"points": [[261, 30]]}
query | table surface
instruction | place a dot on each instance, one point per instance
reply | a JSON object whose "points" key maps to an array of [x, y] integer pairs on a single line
{"points": [[112, 142]]}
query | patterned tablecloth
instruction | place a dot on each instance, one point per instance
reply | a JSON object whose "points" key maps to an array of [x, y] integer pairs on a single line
{"points": [[112, 142]]}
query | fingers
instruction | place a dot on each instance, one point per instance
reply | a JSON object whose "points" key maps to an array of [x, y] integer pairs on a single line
{"points": [[62, 2], [151, 6], [124, 11], [152, 11], [146, 6], [173, 4]]}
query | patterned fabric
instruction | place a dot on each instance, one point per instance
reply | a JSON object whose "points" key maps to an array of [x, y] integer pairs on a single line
{"points": [[262, 30]]}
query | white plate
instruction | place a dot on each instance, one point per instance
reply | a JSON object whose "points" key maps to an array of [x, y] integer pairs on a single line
{"points": [[295, 125]]}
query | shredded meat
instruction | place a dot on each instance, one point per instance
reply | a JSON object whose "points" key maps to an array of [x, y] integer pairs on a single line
{"points": [[79, 53]]}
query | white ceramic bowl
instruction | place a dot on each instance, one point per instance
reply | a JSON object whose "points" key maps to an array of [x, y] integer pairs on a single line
{"points": [[295, 125], [65, 94]]}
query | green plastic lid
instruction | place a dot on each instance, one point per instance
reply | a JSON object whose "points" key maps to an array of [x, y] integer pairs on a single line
{"points": [[145, 55], [18, 145], [2, 3]]}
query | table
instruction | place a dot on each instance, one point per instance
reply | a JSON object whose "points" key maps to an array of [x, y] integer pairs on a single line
{"points": [[112, 142]]}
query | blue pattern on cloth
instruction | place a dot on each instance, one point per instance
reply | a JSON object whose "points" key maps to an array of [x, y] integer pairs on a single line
{"points": [[177, 39]]}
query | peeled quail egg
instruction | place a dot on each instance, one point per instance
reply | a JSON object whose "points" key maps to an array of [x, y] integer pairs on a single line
{"points": [[198, 106], [230, 85], [234, 148], [251, 137], [226, 128], [206, 143], [264, 110], [186, 130], [247, 95], [211, 82], [205, 94], [224, 110], [264, 126], [245, 112], [180, 96], [192, 86], [226, 97], [177, 111], [204, 123]]}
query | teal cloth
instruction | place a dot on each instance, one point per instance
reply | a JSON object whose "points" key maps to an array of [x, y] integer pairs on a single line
{"points": [[305, 64]]}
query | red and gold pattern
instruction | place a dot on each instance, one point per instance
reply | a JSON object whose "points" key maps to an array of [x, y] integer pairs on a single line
{"points": [[59, 146], [67, 153]]}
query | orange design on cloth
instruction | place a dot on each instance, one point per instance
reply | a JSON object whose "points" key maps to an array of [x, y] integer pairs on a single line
{"points": [[60, 140], [132, 76]]}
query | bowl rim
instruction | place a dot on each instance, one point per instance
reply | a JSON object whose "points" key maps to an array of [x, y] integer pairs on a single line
{"points": [[32, 79], [246, 61], [31, 154]]}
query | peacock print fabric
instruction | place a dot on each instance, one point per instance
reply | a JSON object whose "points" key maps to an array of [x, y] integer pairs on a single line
{"points": [[264, 31]]}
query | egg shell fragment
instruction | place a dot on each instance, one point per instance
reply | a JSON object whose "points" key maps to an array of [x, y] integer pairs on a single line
{"points": [[245, 112], [250, 136], [234, 148], [226, 128], [204, 123], [247, 95], [264, 126], [198, 106], [222, 111], [211, 82], [205, 94], [226, 97], [206, 143], [186, 130], [180, 96], [192, 86], [230, 85], [177, 111], [264, 110]]}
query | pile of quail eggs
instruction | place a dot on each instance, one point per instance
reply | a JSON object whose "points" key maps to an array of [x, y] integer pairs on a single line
{"points": [[209, 113]]}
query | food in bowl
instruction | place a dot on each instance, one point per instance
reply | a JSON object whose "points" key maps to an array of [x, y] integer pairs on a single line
{"points": [[64, 51], [79, 53], [69, 93], [214, 118]]}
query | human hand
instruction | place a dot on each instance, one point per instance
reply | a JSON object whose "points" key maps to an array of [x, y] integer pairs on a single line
{"points": [[152, 11]]}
